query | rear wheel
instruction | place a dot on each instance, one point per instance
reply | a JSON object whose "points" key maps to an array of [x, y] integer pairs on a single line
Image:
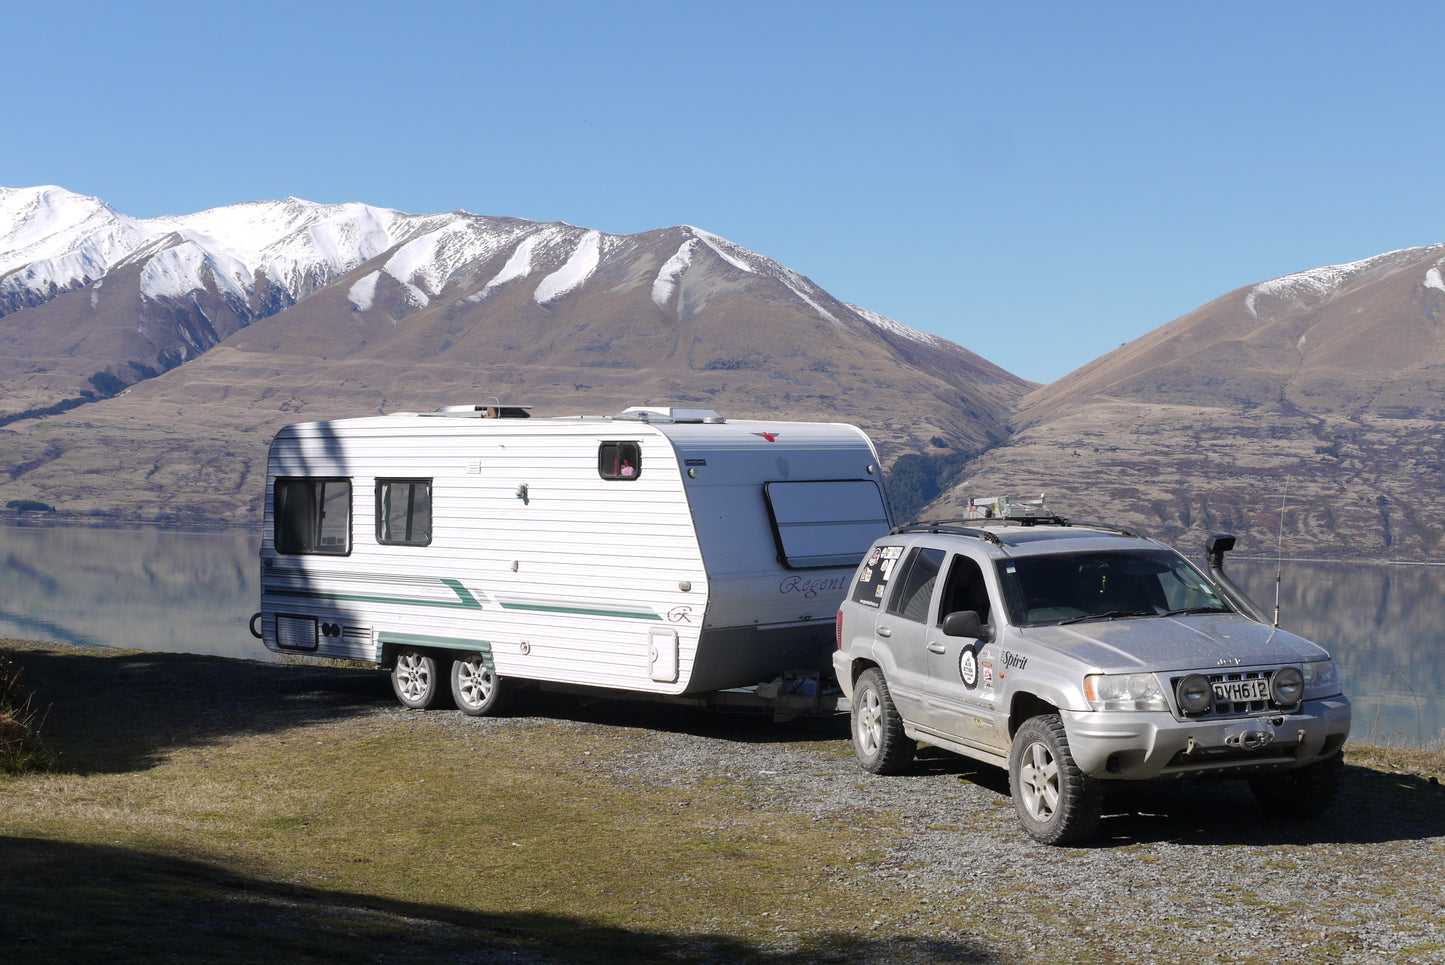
{"points": [[477, 690], [1056, 802], [878, 738], [416, 680], [1304, 792]]}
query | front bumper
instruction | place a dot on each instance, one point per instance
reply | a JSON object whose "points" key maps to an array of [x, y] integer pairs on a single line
{"points": [[1139, 746]]}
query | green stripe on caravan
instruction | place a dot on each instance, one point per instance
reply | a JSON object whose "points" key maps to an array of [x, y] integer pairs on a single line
{"points": [[581, 611], [464, 600]]}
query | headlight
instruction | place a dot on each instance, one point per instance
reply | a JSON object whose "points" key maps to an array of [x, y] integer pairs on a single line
{"points": [[1322, 679], [1286, 686], [1128, 691]]}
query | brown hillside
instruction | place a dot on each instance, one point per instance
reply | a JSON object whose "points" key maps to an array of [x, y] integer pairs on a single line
{"points": [[1321, 393]]}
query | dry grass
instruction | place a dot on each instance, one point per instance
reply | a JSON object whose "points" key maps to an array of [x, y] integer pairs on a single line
{"points": [[21, 748], [256, 819]]}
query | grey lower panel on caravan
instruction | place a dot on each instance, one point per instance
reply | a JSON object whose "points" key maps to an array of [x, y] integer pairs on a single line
{"points": [[743, 656]]}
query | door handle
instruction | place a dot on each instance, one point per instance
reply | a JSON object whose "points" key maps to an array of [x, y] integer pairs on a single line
{"points": [[937, 648], [885, 632]]}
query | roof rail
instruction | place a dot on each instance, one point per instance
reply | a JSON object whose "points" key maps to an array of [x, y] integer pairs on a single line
{"points": [[953, 527]]}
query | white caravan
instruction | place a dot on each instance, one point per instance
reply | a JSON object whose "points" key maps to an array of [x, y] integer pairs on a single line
{"points": [[661, 550]]}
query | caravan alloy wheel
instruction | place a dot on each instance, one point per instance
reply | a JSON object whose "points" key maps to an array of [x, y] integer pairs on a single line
{"points": [[476, 689], [416, 679]]}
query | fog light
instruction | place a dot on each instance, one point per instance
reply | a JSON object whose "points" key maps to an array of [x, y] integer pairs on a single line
{"points": [[1287, 686], [1195, 695]]}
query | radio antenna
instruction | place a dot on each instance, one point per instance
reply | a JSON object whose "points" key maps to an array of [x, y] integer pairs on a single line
{"points": [[1279, 570]]}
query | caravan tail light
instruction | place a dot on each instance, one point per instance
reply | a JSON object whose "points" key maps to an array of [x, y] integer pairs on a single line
{"points": [[838, 630]]}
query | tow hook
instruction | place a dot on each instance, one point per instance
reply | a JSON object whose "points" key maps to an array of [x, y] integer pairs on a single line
{"points": [[1250, 740]]}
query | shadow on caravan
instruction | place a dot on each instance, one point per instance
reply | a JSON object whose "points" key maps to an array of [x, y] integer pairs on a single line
{"points": [[660, 551]]}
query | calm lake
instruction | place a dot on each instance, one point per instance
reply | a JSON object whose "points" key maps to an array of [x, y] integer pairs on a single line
{"points": [[180, 592]]}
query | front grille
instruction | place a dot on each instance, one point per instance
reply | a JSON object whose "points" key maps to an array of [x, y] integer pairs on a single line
{"points": [[1235, 708]]}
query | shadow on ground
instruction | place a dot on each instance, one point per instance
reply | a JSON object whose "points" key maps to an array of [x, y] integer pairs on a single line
{"points": [[69, 903]]}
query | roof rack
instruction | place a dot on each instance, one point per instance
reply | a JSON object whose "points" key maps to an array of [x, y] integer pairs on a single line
{"points": [[975, 527]]}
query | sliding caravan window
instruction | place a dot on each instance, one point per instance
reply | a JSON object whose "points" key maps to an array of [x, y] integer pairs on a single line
{"points": [[619, 460], [403, 512], [313, 515], [826, 522]]}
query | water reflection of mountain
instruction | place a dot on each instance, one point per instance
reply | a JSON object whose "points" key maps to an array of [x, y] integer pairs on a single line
{"points": [[146, 588], [1376, 619]]}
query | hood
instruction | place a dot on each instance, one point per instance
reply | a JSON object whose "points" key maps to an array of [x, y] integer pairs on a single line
{"points": [[1206, 642]]}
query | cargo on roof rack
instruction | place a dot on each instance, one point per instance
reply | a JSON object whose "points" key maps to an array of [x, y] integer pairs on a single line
{"points": [[1009, 507]]}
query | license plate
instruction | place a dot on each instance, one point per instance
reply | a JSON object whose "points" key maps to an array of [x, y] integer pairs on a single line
{"points": [[1241, 691]]}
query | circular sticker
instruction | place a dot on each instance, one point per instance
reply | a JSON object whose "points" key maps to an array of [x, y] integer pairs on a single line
{"points": [[968, 668]]}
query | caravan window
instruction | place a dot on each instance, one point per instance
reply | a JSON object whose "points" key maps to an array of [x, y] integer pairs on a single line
{"points": [[619, 460], [829, 522], [313, 515], [403, 512]]}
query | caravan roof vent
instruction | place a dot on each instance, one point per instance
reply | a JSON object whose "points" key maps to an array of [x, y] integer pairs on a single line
{"points": [[655, 413], [490, 410]]}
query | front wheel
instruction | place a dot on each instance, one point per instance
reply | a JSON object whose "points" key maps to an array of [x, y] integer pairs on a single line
{"points": [[477, 690], [1304, 792], [416, 680], [878, 737], [1055, 801]]}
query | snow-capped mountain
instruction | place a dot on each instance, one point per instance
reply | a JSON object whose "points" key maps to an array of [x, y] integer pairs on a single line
{"points": [[267, 253], [53, 241], [216, 271], [93, 301]]}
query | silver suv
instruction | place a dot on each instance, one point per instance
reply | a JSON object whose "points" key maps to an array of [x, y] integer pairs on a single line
{"points": [[1075, 654]]}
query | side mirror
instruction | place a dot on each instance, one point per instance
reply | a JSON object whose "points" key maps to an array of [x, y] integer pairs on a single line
{"points": [[965, 623]]}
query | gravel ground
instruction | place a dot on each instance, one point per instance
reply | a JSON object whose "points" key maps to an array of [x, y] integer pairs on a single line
{"points": [[1176, 869]]}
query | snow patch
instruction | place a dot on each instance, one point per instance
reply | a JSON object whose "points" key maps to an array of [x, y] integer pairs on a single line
{"points": [[720, 246], [517, 266], [895, 328], [578, 269], [1316, 282], [1434, 280], [734, 254], [672, 269], [178, 271], [363, 291]]}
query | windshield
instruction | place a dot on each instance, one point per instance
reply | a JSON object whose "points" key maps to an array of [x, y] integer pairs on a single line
{"points": [[1075, 587]]}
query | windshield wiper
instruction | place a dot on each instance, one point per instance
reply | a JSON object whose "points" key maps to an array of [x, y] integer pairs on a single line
{"points": [[1109, 615], [1218, 608]]}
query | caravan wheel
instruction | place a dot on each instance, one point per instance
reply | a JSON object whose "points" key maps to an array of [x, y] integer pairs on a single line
{"points": [[477, 690], [416, 679]]}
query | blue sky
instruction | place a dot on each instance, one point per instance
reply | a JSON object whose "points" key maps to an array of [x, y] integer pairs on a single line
{"points": [[1038, 182]]}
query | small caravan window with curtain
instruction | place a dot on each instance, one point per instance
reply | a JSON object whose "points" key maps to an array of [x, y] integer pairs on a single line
{"points": [[403, 512], [312, 515], [619, 460]]}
